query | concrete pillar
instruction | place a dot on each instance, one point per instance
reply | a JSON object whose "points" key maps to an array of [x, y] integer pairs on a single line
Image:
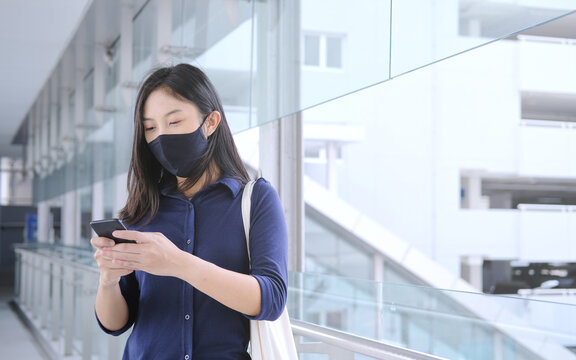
{"points": [[69, 224], [98, 200], [472, 193], [471, 270], [5, 180], [44, 222], [278, 60], [331, 174], [120, 192]]}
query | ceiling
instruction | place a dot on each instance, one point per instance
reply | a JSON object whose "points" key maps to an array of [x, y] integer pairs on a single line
{"points": [[33, 34]]}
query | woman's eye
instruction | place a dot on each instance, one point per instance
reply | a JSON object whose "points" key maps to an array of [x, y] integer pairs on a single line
{"points": [[174, 122], [149, 128]]}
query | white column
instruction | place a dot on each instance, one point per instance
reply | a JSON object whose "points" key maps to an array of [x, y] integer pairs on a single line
{"points": [[54, 120], [5, 172], [68, 223], [80, 72], [291, 187], [67, 129], [473, 199], [45, 129], [98, 200], [44, 222], [36, 124], [126, 14], [163, 31], [471, 270], [331, 175], [99, 85], [120, 192], [278, 61]]}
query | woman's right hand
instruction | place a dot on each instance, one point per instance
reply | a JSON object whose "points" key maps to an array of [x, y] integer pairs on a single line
{"points": [[110, 273]]}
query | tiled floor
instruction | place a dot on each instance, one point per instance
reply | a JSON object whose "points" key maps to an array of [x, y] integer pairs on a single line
{"points": [[16, 342]]}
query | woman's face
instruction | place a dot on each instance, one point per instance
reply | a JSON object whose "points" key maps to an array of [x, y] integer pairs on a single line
{"points": [[166, 114]]}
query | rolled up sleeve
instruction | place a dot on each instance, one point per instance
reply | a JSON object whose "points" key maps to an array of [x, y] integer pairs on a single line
{"points": [[131, 292], [269, 250]]}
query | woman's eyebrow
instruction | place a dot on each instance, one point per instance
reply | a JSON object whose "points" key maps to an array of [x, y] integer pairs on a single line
{"points": [[165, 115]]}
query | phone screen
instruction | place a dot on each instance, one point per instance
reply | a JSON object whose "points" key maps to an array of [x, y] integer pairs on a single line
{"points": [[106, 227]]}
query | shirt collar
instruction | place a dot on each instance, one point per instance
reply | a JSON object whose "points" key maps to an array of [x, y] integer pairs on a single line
{"points": [[168, 185]]}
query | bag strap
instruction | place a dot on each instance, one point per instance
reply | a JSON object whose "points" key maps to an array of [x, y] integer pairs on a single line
{"points": [[246, 204]]}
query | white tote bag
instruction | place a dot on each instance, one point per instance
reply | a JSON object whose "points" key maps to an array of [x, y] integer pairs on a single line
{"points": [[269, 340]]}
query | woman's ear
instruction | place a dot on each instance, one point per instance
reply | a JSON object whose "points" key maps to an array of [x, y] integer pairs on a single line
{"points": [[212, 122]]}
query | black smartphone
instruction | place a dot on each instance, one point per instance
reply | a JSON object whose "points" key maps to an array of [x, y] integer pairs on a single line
{"points": [[105, 228]]}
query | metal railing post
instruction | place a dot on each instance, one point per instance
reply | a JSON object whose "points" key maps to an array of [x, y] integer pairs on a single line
{"points": [[35, 285], [17, 274], [56, 300], [68, 305], [87, 305], [45, 297]]}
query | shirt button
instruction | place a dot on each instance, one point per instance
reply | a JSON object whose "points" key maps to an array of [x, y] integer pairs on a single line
{"points": [[186, 357], [188, 241], [187, 317]]}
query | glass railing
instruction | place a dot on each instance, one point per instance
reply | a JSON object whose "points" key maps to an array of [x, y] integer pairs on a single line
{"points": [[55, 289], [448, 324]]}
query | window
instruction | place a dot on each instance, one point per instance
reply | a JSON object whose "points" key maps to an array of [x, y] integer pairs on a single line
{"points": [[334, 52], [548, 106], [323, 51], [312, 50]]}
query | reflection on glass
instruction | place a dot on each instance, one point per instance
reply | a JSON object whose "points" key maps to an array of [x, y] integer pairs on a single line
{"points": [[330, 253], [333, 52], [450, 324], [442, 29], [89, 119], [84, 198], [216, 36], [339, 54], [144, 40], [312, 50]]}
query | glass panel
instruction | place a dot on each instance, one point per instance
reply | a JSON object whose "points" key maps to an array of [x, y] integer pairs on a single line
{"points": [[440, 29], [333, 52], [314, 42], [403, 155], [391, 39], [89, 119], [450, 324], [312, 50], [330, 253], [216, 36], [143, 40]]}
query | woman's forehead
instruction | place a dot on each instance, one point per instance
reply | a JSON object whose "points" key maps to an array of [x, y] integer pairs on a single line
{"points": [[163, 99]]}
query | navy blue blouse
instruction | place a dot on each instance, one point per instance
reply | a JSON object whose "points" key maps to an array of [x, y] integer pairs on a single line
{"points": [[171, 319]]}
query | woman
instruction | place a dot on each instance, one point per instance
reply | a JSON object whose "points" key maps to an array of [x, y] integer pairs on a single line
{"points": [[187, 285]]}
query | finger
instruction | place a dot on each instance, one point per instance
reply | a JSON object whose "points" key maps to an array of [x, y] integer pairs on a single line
{"points": [[122, 256], [126, 248], [129, 235], [100, 242], [108, 265], [123, 264]]}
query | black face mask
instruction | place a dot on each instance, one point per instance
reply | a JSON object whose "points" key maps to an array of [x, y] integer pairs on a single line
{"points": [[179, 154]]}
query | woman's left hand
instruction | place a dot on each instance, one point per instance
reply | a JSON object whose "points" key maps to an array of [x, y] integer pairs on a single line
{"points": [[153, 252]]}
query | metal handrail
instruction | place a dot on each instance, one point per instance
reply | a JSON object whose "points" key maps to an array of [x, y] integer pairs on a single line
{"points": [[356, 344]]}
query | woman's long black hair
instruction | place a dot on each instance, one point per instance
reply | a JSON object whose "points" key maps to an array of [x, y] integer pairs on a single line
{"points": [[188, 83]]}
